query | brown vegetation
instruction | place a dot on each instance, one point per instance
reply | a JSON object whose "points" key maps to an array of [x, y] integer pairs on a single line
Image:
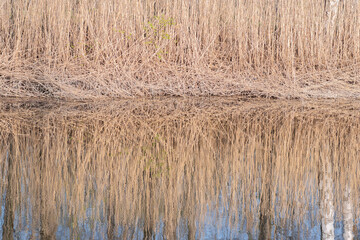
{"points": [[136, 164], [92, 49]]}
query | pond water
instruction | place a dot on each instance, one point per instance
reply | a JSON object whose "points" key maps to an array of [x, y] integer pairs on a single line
{"points": [[178, 168]]}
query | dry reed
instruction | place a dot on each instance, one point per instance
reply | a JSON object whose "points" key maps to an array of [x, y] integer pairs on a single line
{"points": [[138, 165], [92, 49]]}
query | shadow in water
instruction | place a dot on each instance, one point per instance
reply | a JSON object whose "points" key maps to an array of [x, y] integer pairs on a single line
{"points": [[8, 224]]}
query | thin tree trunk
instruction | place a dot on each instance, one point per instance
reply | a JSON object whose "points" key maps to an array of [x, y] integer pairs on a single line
{"points": [[326, 200], [348, 214], [110, 223], [48, 221], [332, 12], [265, 217], [111, 234], [190, 216], [148, 220], [265, 204], [8, 225]]}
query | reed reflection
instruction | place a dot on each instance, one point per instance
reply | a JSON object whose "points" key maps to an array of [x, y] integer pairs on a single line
{"points": [[188, 170]]}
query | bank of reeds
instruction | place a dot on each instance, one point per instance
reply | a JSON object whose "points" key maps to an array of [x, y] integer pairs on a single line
{"points": [[133, 169], [90, 48]]}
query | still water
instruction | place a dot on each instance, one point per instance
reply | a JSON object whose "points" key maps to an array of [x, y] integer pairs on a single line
{"points": [[180, 169]]}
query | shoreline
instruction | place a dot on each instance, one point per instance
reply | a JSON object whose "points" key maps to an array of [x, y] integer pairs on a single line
{"points": [[169, 82], [172, 106]]}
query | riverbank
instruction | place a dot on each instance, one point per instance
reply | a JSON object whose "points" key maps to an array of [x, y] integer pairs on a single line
{"points": [[78, 83]]}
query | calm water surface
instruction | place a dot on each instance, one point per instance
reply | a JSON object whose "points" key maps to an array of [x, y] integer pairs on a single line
{"points": [[179, 169]]}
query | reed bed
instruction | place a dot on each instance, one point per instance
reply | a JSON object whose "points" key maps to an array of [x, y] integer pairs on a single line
{"points": [[96, 49], [159, 166]]}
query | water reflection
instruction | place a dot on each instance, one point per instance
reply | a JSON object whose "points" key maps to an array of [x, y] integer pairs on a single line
{"points": [[184, 169], [8, 224]]}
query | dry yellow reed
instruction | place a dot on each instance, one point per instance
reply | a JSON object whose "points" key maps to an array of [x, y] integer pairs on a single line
{"points": [[90, 48]]}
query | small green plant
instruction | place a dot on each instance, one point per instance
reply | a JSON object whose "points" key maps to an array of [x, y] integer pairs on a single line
{"points": [[157, 34]]}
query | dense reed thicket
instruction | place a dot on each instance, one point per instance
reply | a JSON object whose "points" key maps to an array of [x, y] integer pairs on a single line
{"points": [[91, 48], [130, 168]]}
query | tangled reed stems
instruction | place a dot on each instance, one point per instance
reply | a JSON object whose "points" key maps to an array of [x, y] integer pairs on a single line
{"points": [[93, 49]]}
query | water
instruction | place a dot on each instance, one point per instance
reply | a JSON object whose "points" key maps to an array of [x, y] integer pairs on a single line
{"points": [[179, 169]]}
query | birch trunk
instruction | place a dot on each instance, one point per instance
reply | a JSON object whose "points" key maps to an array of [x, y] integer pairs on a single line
{"points": [[332, 12], [326, 201], [348, 214]]}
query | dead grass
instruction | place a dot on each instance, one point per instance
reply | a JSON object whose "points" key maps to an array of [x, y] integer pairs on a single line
{"points": [[136, 163], [95, 49]]}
